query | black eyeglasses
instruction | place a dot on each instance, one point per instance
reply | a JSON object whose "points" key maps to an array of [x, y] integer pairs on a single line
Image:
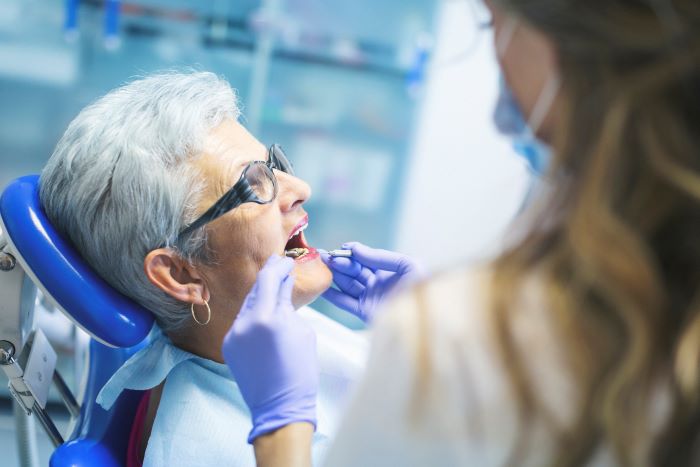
{"points": [[257, 184]]}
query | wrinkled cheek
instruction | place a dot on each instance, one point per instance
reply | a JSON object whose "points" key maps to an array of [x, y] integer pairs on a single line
{"points": [[259, 243], [261, 252]]}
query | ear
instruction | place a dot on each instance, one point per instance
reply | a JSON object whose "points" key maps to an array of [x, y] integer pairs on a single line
{"points": [[175, 276]]}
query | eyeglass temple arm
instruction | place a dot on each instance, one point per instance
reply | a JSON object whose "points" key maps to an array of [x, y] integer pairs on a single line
{"points": [[237, 195]]}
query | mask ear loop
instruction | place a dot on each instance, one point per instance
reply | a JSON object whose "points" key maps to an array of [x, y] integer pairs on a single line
{"points": [[544, 103], [504, 39], [551, 87]]}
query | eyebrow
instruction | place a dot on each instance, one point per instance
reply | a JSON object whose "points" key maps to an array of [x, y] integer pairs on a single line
{"points": [[234, 170]]}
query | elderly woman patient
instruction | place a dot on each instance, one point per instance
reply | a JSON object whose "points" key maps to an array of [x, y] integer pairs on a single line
{"points": [[177, 206]]}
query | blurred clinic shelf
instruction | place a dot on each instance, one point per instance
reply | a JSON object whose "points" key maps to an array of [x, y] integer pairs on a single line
{"points": [[336, 83]]}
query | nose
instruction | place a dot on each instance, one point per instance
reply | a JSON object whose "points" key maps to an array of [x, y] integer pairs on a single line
{"points": [[293, 191]]}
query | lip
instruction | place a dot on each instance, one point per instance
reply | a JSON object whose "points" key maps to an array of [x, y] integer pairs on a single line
{"points": [[304, 220], [298, 229]]}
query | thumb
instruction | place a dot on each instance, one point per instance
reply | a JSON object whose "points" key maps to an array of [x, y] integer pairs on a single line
{"points": [[378, 259], [285, 294]]}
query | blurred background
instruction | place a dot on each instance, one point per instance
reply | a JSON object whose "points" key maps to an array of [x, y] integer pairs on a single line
{"points": [[384, 106]]}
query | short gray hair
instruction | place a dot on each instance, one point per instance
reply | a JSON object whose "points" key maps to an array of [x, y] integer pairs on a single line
{"points": [[119, 185]]}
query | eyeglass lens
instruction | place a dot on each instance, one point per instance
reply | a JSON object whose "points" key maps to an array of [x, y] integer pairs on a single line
{"points": [[260, 177], [279, 160], [261, 180]]}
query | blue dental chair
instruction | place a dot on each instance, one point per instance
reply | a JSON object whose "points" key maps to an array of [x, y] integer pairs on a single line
{"points": [[116, 324]]}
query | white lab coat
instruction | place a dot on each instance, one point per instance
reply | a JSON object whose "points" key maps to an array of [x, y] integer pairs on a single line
{"points": [[469, 415]]}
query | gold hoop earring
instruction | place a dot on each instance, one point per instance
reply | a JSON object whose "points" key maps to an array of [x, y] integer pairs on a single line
{"points": [[194, 316]]}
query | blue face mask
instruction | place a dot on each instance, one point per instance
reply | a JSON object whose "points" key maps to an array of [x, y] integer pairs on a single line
{"points": [[510, 121]]}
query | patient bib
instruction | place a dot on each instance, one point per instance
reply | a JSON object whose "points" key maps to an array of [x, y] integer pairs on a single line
{"points": [[202, 418]]}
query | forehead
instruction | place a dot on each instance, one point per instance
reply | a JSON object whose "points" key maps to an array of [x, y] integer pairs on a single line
{"points": [[231, 142], [227, 149]]}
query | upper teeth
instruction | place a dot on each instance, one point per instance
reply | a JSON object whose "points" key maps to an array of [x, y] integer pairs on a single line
{"points": [[299, 230]]}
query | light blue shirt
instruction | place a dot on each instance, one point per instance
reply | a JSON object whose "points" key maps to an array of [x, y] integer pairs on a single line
{"points": [[202, 418]]}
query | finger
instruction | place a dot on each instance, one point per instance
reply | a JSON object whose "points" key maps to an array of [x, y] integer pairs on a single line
{"points": [[269, 281], [325, 257], [342, 301], [354, 271], [271, 261], [275, 266], [345, 265], [285, 294], [364, 277], [375, 258], [348, 285], [252, 300], [371, 281]]}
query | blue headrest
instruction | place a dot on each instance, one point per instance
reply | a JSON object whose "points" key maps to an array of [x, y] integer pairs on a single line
{"points": [[62, 274], [101, 437]]}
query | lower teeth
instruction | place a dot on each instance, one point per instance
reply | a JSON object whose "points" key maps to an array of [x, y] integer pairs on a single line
{"points": [[296, 252]]}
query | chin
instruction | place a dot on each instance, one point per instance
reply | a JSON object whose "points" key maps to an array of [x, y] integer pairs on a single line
{"points": [[311, 279]]}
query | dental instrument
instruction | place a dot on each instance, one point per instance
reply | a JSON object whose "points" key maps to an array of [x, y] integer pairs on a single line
{"points": [[337, 253]]}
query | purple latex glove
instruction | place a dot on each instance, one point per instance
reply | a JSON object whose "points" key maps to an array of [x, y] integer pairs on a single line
{"points": [[271, 352], [365, 280]]}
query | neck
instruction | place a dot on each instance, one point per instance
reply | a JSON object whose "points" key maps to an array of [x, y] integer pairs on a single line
{"points": [[205, 341], [199, 343]]}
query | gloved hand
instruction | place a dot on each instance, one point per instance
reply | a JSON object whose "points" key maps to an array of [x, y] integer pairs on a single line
{"points": [[271, 352], [366, 279]]}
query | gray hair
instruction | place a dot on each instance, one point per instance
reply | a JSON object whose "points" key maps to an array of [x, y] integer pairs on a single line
{"points": [[119, 183]]}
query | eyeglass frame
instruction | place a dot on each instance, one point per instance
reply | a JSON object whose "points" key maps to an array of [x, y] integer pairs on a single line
{"points": [[241, 192]]}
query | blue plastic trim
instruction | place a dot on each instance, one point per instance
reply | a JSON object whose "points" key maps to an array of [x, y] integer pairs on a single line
{"points": [[99, 309], [101, 438], [112, 11], [71, 21]]}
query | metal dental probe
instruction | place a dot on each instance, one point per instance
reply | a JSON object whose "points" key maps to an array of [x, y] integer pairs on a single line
{"points": [[337, 253]]}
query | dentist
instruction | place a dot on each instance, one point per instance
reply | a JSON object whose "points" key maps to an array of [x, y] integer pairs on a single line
{"points": [[580, 345]]}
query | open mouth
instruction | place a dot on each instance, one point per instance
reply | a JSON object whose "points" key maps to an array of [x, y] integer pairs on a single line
{"points": [[297, 247]]}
